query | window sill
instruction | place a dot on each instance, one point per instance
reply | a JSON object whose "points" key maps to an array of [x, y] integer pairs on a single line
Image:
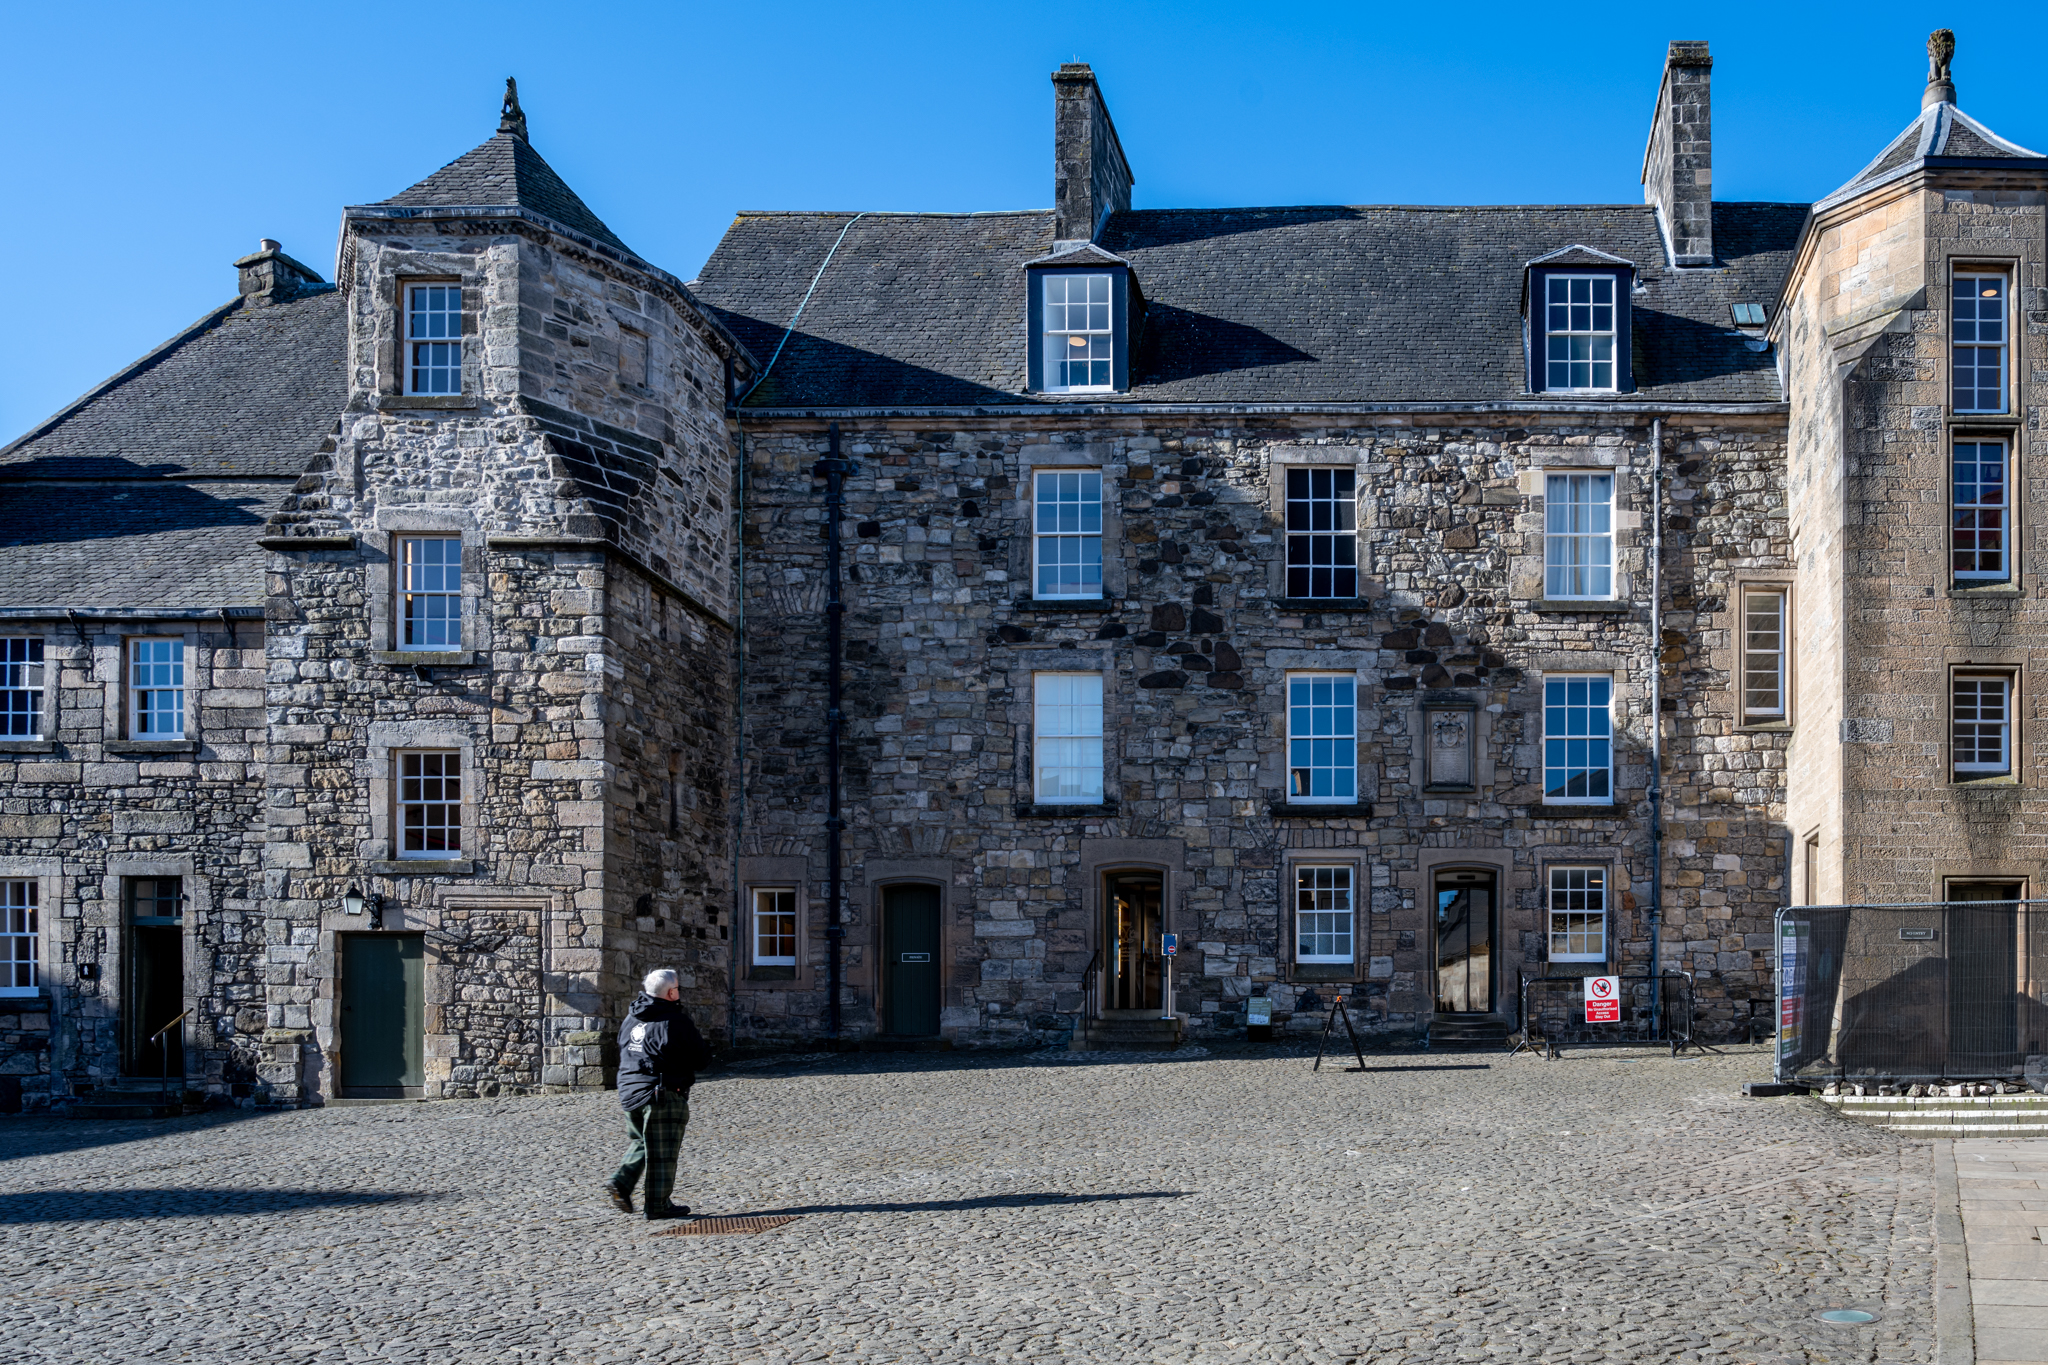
{"points": [[1325, 972], [1972, 783], [1560, 604], [424, 867], [1986, 590], [1764, 727], [1056, 810], [429, 402], [1592, 810], [1321, 604], [28, 746], [152, 746], [1329, 810], [425, 658], [1066, 604]]}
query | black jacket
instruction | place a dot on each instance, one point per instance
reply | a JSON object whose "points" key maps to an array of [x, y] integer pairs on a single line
{"points": [[659, 1050]]}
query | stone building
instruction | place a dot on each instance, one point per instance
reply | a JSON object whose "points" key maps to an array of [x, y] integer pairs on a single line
{"points": [[1396, 605]]}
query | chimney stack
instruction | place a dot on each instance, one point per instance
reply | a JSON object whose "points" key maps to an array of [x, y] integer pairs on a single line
{"points": [[1090, 178], [270, 276], [1678, 167]]}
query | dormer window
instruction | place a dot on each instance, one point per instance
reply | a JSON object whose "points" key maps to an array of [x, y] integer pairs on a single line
{"points": [[1578, 332], [1080, 342], [1082, 306], [1578, 322]]}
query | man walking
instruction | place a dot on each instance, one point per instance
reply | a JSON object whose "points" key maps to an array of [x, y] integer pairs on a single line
{"points": [[659, 1053]]}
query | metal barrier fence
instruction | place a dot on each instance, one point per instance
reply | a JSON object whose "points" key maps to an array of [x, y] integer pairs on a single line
{"points": [[1557, 1013], [1946, 990]]}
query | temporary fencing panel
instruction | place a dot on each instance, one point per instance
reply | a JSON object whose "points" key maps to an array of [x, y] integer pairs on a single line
{"points": [[1948, 990], [1554, 1010]]}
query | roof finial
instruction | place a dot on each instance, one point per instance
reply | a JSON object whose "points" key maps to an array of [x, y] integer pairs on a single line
{"points": [[512, 119], [1941, 50]]}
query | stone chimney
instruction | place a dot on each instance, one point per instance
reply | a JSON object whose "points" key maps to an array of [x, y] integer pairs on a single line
{"points": [[1678, 167], [1090, 178], [269, 276]]}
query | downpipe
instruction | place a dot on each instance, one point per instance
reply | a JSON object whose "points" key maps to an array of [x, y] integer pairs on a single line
{"points": [[833, 469], [1656, 725]]}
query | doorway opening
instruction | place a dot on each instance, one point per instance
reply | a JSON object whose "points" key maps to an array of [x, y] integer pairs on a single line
{"points": [[1136, 954], [1467, 923], [383, 1015], [910, 961], [153, 982]]}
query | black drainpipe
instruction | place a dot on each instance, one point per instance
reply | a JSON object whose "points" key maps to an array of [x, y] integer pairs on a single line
{"points": [[833, 469]]}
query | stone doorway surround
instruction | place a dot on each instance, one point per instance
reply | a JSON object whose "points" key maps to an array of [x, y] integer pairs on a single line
{"points": [[1512, 921]]}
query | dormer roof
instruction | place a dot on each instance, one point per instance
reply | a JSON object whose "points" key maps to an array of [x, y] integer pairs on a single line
{"points": [[1069, 256], [1581, 255]]}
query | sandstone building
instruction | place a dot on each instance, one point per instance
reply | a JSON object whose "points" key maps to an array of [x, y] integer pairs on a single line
{"points": [[1393, 604]]}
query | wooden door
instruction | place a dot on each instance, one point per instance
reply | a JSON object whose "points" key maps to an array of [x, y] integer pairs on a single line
{"points": [[910, 961], [383, 1014]]}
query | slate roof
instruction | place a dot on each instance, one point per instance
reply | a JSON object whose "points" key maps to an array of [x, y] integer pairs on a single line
{"points": [[506, 172], [240, 393], [1941, 130], [1268, 305], [151, 490]]}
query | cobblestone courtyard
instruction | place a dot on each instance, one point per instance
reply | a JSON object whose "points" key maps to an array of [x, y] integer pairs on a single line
{"points": [[1046, 1207]]}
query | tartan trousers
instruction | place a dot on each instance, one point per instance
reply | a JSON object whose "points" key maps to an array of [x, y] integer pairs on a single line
{"points": [[657, 1132]]}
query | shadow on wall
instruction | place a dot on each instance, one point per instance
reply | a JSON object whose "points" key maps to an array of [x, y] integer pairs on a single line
{"points": [[128, 1206]]}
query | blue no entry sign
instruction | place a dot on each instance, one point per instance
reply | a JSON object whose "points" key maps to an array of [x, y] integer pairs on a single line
{"points": [[1172, 942]]}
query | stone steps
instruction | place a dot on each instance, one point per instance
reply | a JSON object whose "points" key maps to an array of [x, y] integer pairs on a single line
{"points": [[1126, 1035], [1948, 1115], [1456, 1031], [132, 1100]]}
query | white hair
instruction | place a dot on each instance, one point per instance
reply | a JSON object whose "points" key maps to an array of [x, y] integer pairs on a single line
{"points": [[660, 982]]}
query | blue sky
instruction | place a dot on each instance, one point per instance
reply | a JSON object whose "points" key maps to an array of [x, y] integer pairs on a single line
{"points": [[147, 146]]}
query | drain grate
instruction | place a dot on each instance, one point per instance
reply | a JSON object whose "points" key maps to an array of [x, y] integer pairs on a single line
{"points": [[707, 1227]]}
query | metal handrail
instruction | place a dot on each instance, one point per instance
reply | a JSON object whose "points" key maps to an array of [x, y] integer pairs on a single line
{"points": [[1091, 987], [165, 1053]]}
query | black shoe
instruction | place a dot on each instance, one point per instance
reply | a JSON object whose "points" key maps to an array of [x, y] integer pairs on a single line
{"points": [[656, 1214], [621, 1200]]}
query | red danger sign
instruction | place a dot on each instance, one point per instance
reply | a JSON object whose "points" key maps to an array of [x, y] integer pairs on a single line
{"points": [[1603, 999]]}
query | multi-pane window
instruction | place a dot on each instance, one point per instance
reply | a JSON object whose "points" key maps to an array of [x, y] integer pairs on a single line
{"points": [[156, 900], [21, 687], [433, 338], [1763, 655], [1979, 539], [1578, 738], [1079, 341], [1578, 327], [20, 946], [775, 927], [1578, 535], [1578, 914], [1322, 737], [1067, 538], [1067, 737], [1322, 533], [430, 804], [430, 592], [1980, 714], [1323, 914], [156, 689], [1978, 356]]}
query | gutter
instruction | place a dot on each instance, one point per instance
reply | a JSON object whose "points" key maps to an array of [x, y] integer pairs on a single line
{"points": [[1514, 409], [49, 613]]}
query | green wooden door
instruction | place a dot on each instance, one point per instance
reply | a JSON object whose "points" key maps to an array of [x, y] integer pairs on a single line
{"points": [[910, 960], [383, 1012]]}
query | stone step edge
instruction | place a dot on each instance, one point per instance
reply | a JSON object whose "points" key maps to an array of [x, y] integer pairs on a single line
{"points": [[1923, 1101], [1999, 1129]]}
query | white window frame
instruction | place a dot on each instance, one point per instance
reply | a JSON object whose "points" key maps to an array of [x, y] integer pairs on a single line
{"points": [[22, 680], [437, 333], [773, 903], [21, 937], [1063, 525], [405, 802], [1969, 718], [1066, 739], [1558, 686], [1094, 338], [1580, 329], [1305, 537], [426, 591], [1310, 738], [150, 678], [1578, 535], [1765, 655], [1969, 334], [1578, 904], [1998, 509], [1326, 892]]}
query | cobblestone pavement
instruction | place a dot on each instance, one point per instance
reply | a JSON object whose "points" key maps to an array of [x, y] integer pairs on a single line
{"points": [[1204, 1207]]}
